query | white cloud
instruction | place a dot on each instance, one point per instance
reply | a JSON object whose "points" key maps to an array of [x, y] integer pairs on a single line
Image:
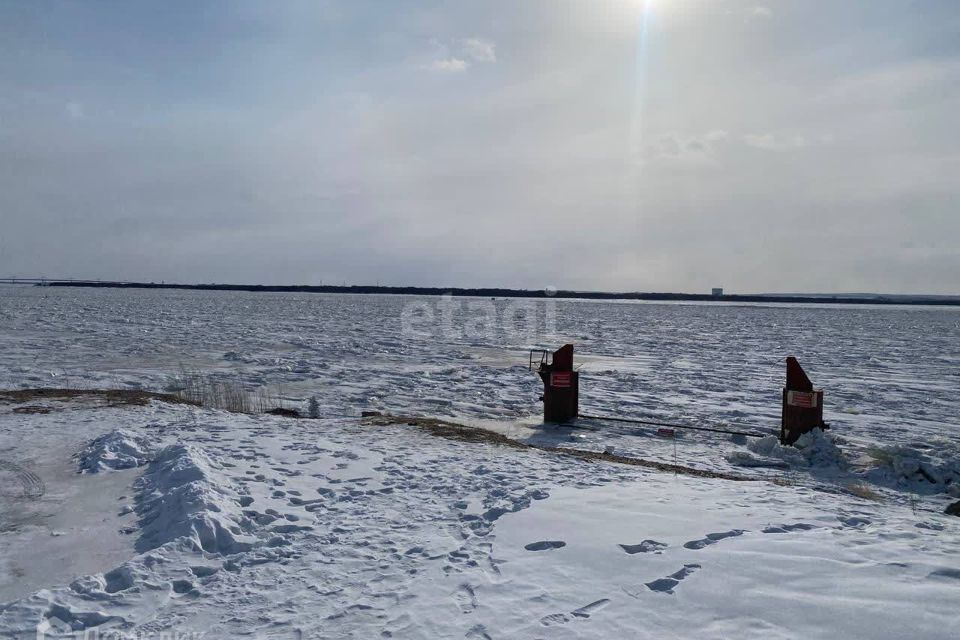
{"points": [[74, 110], [761, 141], [762, 12], [773, 142], [687, 148], [462, 55], [479, 50], [448, 65]]}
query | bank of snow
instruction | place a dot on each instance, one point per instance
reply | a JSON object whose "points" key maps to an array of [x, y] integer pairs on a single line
{"points": [[923, 468], [184, 494], [118, 449], [815, 449]]}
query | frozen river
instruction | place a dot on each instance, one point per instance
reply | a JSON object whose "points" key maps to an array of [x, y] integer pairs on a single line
{"points": [[884, 369]]}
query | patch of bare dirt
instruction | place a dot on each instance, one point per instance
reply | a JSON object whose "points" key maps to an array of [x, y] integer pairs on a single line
{"points": [[463, 433], [32, 410], [112, 397]]}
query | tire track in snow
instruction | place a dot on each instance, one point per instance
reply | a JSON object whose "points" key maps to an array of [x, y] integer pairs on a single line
{"points": [[32, 485]]}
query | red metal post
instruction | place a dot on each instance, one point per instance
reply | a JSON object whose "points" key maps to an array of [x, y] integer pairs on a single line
{"points": [[802, 404], [561, 386]]}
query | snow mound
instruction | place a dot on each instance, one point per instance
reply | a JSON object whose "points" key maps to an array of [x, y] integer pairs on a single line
{"points": [[747, 459], [185, 495], [820, 449], [814, 449], [119, 449], [923, 467]]}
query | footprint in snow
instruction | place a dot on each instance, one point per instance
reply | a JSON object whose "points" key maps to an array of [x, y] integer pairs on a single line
{"points": [[203, 571], [669, 583], [466, 598], [853, 521], [582, 613], [545, 545], [183, 587], [713, 538], [590, 609], [945, 573], [647, 546], [478, 632], [787, 528]]}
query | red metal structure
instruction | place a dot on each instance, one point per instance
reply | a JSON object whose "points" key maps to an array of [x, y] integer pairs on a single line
{"points": [[802, 405], [561, 384]]}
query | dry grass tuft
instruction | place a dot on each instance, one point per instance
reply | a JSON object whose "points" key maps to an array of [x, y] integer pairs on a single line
{"points": [[190, 388], [226, 394], [112, 397], [451, 431], [863, 491], [212, 393], [32, 410], [462, 433]]}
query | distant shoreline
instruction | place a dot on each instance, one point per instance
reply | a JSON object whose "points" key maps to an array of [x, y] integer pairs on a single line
{"points": [[524, 293]]}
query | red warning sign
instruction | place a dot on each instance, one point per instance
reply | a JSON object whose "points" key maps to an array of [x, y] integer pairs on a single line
{"points": [[560, 379], [804, 399]]}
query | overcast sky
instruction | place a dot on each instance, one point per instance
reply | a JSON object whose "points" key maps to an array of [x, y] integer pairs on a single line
{"points": [[673, 145]]}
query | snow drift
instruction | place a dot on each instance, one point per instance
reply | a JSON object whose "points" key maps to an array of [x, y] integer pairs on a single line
{"points": [[119, 449], [185, 494], [925, 468], [814, 449]]}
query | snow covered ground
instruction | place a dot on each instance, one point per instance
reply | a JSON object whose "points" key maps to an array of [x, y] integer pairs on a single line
{"points": [[278, 528], [187, 520]]}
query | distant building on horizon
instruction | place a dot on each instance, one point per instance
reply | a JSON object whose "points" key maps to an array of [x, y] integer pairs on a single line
{"points": [[717, 292]]}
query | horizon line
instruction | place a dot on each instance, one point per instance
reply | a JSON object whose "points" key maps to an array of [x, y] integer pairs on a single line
{"points": [[548, 292]]}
